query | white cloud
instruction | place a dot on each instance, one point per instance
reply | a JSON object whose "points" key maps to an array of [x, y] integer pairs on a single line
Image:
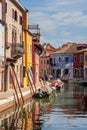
{"points": [[59, 19], [49, 22], [44, 20]]}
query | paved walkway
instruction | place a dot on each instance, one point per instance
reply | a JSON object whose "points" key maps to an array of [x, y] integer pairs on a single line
{"points": [[8, 98], [9, 95]]}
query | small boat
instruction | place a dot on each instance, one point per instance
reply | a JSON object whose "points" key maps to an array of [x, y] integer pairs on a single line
{"points": [[82, 82], [57, 84], [40, 94]]}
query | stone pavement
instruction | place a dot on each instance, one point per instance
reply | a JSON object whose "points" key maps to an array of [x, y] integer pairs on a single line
{"points": [[8, 99]]}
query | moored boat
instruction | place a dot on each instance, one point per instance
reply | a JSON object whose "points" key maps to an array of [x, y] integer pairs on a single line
{"points": [[41, 93], [57, 84], [82, 82]]}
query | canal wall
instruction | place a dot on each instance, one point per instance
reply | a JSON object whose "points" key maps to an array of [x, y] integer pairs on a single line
{"points": [[8, 100]]}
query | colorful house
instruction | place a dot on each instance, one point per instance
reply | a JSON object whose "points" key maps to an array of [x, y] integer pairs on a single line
{"points": [[80, 64], [14, 45], [27, 40], [61, 62], [45, 60], [36, 52]]}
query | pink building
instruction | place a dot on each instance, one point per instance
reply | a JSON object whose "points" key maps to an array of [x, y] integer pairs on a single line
{"points": [[45, 61]]}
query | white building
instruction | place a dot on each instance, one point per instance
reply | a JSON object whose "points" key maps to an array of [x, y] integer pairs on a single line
{"points": [[14, 46]]}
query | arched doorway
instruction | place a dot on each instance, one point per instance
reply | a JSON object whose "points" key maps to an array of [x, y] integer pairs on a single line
{"points": [[65, 72]]}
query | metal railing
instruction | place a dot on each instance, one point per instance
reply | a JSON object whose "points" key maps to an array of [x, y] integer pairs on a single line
{"points": [[17, 49]]}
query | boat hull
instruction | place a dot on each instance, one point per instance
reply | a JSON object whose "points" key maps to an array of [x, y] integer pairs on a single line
{"points": [[83, 83]]}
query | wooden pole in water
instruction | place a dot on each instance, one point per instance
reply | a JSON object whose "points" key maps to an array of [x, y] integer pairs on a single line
{"points": [[18, 85], [15, 89], [30, 82]]}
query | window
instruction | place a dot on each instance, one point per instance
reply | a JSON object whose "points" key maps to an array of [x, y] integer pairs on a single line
{"points": [[50, 60], [41, 62], [6, 7], [86, 58], [66, 71], [15, 15], [66, 59], [44, 61], [81, 58], [60, 59], [14, 36], [47, 61], [45, 72], [20, 20], [54, 60], [53, 71], [75, 58], [24, 71]]}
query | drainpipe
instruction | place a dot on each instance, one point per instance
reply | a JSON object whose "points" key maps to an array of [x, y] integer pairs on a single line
{"points": [[5, 52], [5, 60]]}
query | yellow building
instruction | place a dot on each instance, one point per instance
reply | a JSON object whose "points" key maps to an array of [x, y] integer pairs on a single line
{"points": [[27, 39]]}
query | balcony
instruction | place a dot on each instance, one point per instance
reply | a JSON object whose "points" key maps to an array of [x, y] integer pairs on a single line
{"points": [[17, 50]]}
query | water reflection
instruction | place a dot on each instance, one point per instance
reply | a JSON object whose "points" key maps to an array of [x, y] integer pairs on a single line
{"points": [[13, 120], [62, 110], [20, 118]]}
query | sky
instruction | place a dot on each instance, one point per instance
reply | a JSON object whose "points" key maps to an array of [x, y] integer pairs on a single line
{"points": [[60, 21]]}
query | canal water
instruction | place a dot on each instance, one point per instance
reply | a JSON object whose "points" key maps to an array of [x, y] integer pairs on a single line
{"points": [[63, 110]]}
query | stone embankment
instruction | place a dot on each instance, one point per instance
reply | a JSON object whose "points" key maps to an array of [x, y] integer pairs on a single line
{"points": [[8, 99]]}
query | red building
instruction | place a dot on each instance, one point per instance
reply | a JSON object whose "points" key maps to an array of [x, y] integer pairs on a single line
{"points": [[78, 64], [79, 60], [36, 51]]}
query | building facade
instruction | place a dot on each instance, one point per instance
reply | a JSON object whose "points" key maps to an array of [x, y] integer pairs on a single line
{"points": [[45, 60], [85, 64], [36, 52], [2, 43], [27, 57], [61, 62], [14, 45], [80, 64], [61, 65]]}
